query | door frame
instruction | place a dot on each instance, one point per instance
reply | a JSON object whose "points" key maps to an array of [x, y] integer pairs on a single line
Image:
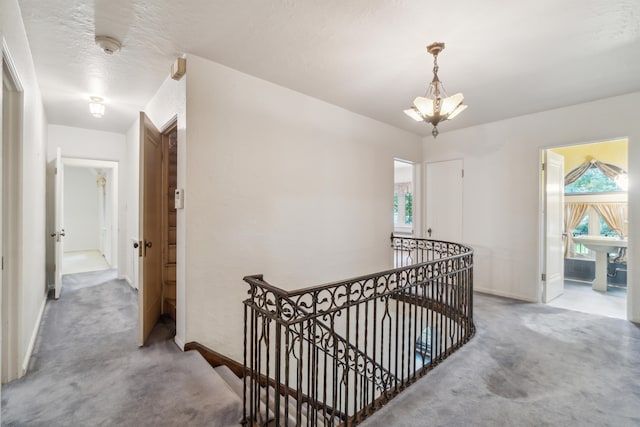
{"points": [[11, 219], [417, 194], [113, 165], [541, 198]]}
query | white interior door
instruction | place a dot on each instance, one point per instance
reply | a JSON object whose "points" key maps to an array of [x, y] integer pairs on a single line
{"points": [[553, 268], [443, 201], [58, 233]]}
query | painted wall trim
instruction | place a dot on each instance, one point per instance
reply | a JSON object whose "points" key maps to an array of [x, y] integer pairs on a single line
{"points": [[8, 60], [32, 340], [504, 294], [179, 342]]}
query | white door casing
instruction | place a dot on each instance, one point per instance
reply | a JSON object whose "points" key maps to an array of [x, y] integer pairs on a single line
{"points": [[11, 218], [553, 226], [58, 233]]}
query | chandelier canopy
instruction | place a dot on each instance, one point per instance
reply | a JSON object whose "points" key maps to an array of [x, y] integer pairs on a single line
{"points": [[436, 106]]}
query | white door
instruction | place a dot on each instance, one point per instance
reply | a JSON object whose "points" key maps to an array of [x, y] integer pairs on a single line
{"points": [[443, 205], [553, 267], [58, 233]]}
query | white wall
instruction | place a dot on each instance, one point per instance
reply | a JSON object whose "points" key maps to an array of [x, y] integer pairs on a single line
{"points": [[81, 216], [501, 188], [282, 184], [94, 145], [32, 285], [86, 143]]}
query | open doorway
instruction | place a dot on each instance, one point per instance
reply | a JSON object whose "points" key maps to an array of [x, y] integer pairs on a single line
{"points": [[594, 226], [157, 248], [88, 207], [403, 198], [88, 219]]}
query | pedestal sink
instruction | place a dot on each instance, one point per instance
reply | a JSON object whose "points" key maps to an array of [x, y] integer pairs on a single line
{"points": [[602, 247]]}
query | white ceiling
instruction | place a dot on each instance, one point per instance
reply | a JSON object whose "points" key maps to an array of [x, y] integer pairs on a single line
{"points": [[368, 56]]}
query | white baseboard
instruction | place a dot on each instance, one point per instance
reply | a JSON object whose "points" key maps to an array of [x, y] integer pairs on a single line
{"points": [[503, 294], [179, 342], [32, 340]]}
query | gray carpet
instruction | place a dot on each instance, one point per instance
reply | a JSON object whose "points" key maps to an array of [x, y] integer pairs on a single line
{"points": [[87, 370], [529, 365]]}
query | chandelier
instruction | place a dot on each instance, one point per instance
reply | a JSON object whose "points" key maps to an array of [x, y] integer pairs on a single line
{"points": [[436, 106]]}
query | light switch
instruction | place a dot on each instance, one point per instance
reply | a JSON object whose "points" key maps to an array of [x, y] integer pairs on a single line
{"points": [[179, 200]]}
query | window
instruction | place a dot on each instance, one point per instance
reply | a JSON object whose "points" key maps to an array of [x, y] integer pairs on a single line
{"points": [[403, 204], [408, 208], [593, 181], [395, 208]]}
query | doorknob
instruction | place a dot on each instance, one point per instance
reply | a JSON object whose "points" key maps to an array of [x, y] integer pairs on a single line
{"points": [[429, 231], [146, 245]]}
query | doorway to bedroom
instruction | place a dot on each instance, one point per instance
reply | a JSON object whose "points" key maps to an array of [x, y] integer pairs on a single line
{"points": [[594, 227]]}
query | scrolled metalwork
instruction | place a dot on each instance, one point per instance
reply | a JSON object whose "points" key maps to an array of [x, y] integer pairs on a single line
{"points": [[339, 351]]}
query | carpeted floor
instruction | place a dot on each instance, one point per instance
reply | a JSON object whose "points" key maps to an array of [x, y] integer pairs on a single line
{"points": [[529, 365], [87, 370]]}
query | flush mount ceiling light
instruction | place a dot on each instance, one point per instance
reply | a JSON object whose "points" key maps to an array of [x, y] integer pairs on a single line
{"points": [[436, 106], [109, 45], [96, 106]]}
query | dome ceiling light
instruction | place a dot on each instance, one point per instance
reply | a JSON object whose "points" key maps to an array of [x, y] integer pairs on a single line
{"points": [[96, 106], [436, 106]]}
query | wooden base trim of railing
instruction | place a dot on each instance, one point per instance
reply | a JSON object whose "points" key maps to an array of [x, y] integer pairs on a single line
{"points": [[440, 307], [216, 359]]}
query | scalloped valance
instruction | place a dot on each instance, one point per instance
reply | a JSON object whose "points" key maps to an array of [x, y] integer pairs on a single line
{"points": [[612, 171]]}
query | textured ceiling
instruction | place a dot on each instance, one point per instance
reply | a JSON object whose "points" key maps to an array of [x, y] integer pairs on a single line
{"points": [[367, 56]]}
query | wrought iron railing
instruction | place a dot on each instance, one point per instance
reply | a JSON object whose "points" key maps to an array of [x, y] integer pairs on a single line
{"points": [[333, 354]]}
